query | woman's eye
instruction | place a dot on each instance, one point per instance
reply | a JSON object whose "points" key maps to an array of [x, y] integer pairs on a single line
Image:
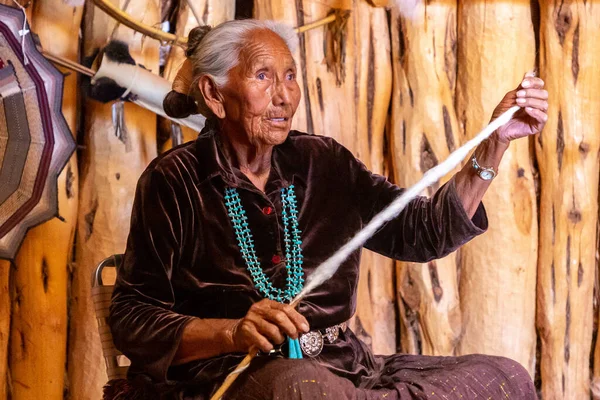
{"points": [[291, 76], [262, 76]]}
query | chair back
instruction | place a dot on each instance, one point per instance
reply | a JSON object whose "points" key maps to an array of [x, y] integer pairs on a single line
{"points": [[116, 363]]}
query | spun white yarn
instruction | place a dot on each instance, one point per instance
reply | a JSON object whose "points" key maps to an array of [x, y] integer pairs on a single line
{"points": [[330, 266], [239, 370]]}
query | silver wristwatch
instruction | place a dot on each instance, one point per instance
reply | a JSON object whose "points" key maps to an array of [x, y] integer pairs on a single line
{"points": [[487, 174]]}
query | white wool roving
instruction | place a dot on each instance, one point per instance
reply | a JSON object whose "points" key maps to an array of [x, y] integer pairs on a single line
{"points": [[330, 266]]}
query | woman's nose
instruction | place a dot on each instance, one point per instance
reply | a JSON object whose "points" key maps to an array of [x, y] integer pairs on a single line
{"points": [[281, 95]]}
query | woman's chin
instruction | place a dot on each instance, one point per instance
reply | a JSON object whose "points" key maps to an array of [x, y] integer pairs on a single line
{"points": [[277, 136]]}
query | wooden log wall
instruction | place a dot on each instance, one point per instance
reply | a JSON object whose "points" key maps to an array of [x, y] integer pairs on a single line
{"points": [[36, 321], [116, 152], [5, 297], [498, 269], [568, 161], [417, 79], [5, 313], [42, 267], [424, 131]]}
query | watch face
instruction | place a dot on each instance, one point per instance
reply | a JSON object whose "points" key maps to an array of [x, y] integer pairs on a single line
{"points": [[486, 174]]}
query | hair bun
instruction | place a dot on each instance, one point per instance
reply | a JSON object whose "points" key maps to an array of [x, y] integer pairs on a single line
{"points": [[179, 105], [195, 37]]}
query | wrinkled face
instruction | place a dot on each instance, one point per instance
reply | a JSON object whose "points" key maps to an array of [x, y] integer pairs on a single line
{"points": [[261, 95]]}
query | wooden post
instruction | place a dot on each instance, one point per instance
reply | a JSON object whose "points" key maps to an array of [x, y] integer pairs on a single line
{"points": [[112, 161], [41, 273], [568, 160], [498, 275], [373, 77], [5, 309], [210, 12], [5, 302], [352, 110], [424, 132]]}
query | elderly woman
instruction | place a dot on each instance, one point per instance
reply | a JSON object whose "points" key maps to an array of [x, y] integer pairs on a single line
{"points": [[225, 229]]}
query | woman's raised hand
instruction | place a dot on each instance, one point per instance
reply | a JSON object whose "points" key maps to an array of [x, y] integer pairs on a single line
{"points": [[266, 324], [531, 96]]}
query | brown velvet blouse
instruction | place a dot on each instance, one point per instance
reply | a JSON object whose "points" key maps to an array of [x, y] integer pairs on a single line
{"points": [[182, 260]]}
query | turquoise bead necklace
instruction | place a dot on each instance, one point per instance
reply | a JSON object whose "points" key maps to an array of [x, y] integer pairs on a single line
{"points": [[293, 251]]}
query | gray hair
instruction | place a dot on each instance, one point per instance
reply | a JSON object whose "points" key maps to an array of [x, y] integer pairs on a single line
{"points": [[216, 51]]}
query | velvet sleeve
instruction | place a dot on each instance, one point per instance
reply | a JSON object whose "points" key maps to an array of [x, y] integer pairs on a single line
{"points": [[428, 228], [143, 325]]}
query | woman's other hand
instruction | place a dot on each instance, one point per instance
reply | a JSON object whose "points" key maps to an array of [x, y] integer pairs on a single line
{"points": [[531, 96], [266, 324]]}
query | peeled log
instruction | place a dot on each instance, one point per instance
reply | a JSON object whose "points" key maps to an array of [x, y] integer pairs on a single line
{"points": [[424, 132], [498, 275], [4, 325], [5, 308], [40, 279], [567, 154], [112, 161], [211, 12], [373, 77], [353, 111]]}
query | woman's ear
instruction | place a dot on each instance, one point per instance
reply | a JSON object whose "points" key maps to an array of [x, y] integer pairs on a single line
{"points": [[212, 96]]}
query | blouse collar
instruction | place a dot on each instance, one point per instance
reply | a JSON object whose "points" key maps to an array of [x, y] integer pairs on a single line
{"points": [[213, 163]]}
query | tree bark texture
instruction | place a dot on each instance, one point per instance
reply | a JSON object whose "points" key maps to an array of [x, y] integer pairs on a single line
{"points": [[424, 132], [39, 292], [119, 144], [567, 154], [498, 269]]}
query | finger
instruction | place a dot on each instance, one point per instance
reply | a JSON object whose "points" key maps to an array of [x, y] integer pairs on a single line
{"points": [[266, 328], [537, 114], [278, 317], [297, 319], [532, 83], [530, 74], [256, 339], [533, 103], [535, 93]]}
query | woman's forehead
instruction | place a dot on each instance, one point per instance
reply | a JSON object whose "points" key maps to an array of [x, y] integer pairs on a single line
{"points": [[265, 47]]}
